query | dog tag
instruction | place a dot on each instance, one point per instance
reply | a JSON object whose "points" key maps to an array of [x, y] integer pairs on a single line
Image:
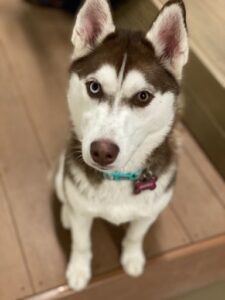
{"points": [[149, 184]]}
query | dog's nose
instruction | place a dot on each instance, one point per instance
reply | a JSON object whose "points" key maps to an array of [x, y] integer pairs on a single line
{"points": [[104, 152]]}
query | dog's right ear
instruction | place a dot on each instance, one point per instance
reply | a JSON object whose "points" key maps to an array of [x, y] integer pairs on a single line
{"points": [[93, 23]]}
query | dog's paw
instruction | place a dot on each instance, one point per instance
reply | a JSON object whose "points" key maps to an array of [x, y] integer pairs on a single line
{"points": [[133, 264], [78, 272], [78, 277], [65, 217]]}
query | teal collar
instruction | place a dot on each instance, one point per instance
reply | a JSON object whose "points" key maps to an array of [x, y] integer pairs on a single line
{"points": [[117, 175]]}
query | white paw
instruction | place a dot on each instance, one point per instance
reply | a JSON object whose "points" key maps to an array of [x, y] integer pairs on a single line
{"points": [[65, 216], [78, 277], [133, 264]]}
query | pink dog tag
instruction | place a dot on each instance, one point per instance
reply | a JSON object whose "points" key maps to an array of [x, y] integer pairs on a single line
{"points": [[149, 184]]}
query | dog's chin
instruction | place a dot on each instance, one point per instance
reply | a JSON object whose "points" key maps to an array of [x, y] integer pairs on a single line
{"points": [[97, 167]]}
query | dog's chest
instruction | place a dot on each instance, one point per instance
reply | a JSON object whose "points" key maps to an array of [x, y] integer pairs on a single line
{"points": [[115, 201]]}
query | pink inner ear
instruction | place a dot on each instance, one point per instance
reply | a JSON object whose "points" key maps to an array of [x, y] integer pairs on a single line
{"points": [[94, 22], [169, 36]]}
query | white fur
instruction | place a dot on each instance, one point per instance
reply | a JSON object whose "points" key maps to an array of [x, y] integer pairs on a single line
{"points": [[170, 15], [134, 82], [107, 76], [59, 177], [122, 69], [114, 202], [79, 270], [120, 123]]}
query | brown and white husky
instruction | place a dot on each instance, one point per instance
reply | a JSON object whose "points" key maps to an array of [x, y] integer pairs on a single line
{"points": [[120, 160]]}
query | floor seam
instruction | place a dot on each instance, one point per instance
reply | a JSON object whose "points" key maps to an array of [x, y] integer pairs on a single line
{"points": [[5, 191]]}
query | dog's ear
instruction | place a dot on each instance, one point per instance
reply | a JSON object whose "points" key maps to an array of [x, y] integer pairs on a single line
{"points": [[93, 23], [168, 36]]}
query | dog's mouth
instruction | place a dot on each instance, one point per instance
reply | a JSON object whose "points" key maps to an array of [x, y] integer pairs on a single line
{"points": [[101, 168]]}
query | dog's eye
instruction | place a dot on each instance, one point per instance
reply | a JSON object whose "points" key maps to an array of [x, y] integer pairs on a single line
{"points": [[142, 98], [94, 88]]}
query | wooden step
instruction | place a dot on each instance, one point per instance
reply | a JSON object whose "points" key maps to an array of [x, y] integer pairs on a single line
{"points": [[201, 264], [34, 51]]}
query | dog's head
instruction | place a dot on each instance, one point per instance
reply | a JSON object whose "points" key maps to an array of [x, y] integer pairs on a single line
{"points": [[123, 85]]}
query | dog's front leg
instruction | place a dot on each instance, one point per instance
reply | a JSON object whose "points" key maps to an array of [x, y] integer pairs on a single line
{"points": [[79, 268], [133, 258]]}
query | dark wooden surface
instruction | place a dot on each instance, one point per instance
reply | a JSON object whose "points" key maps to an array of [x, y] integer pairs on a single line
{"points": [[166, 276]]}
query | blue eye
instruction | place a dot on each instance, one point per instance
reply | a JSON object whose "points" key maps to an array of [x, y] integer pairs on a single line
{"points": [[94, 88]]}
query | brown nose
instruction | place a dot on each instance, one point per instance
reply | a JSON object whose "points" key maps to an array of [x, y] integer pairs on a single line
{"points": [[104, 152]]}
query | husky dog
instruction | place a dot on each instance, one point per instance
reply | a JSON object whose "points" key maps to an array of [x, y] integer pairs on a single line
{"points": [[120, 160]]}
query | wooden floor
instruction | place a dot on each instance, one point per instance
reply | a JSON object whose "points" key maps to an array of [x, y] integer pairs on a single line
{"points": [[34, 51]]}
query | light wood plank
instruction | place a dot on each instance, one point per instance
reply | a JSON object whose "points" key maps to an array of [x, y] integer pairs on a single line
{"points": [[166, 234], [25, 178], [195, 202], [14, 278], [204, 111], [207, 170], [41, 57]]}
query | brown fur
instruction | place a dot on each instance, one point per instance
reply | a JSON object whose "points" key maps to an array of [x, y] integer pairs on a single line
{"points": [[162, 156], [140, 55]]}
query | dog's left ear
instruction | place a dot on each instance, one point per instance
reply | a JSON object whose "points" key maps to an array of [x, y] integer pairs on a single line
{"points": [[168, 36], [93, 23]]}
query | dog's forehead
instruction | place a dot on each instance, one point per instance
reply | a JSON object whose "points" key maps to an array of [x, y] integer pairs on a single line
{"points": [[112, 51], [129, 51], [129, 82]]}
